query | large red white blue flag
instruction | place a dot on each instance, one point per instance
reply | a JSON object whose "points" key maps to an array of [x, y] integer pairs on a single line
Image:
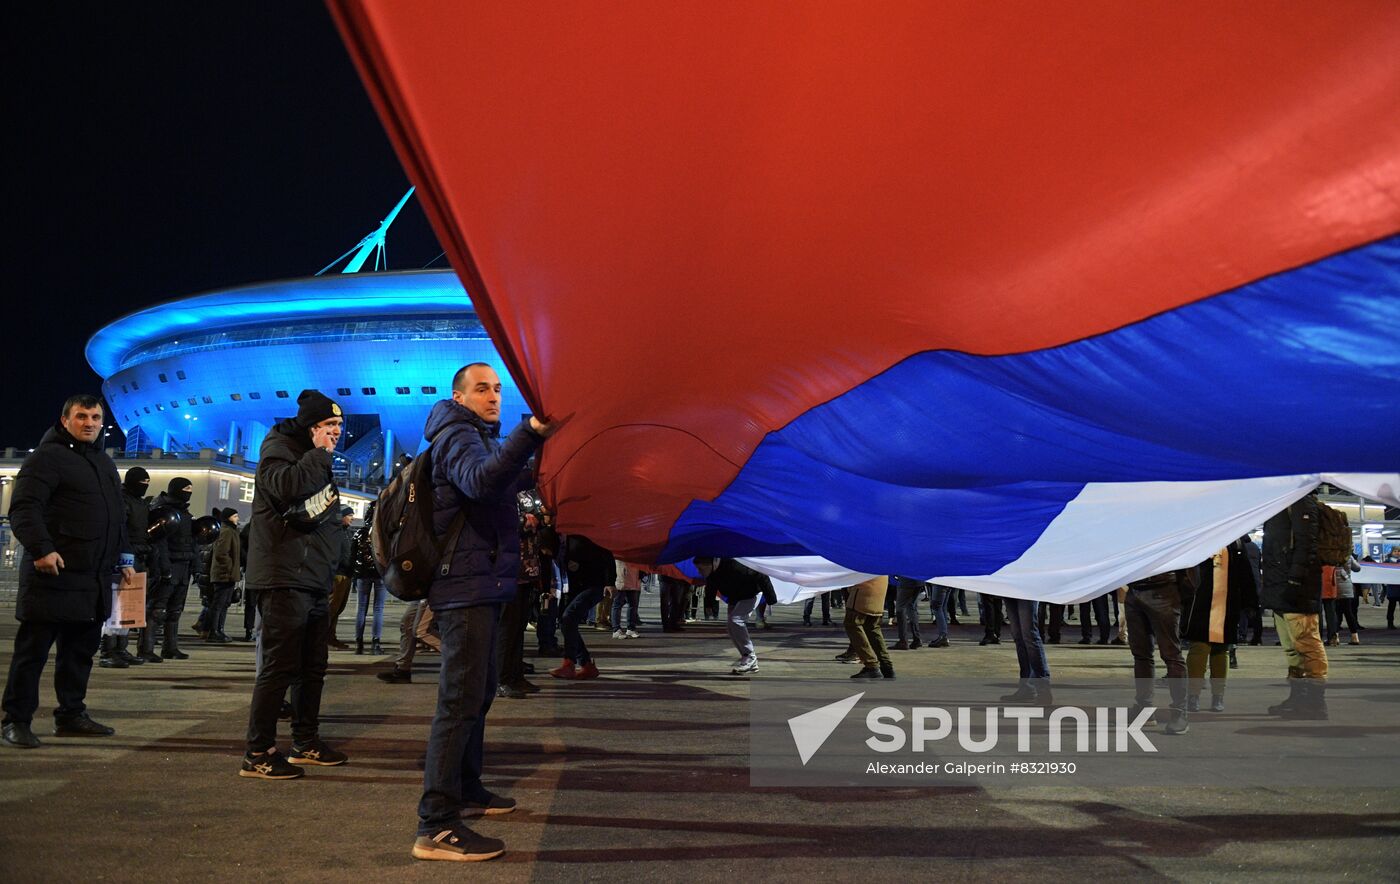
{"points": [[1032, 298]]}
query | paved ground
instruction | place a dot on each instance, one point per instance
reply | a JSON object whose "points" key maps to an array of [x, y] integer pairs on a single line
{"points": [[640, 775]]}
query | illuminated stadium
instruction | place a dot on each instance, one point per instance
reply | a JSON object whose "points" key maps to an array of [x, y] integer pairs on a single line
{"points": [[216, 370]]}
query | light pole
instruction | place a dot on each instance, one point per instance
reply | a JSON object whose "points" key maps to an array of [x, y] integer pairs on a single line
{"points": [[189, 422]]}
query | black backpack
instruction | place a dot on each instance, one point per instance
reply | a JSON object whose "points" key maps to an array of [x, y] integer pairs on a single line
{"points": [[406, 552]]}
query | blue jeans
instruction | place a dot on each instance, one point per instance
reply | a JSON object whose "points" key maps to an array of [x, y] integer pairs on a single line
{"points": [[581, 602], [939, 598], [826, 609], [466, 686], [364, 588], [906, 610], [1030, 650], [621, 598]]}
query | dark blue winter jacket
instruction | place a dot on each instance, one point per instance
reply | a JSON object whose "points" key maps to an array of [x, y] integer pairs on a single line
{"points": [[476, 473]]}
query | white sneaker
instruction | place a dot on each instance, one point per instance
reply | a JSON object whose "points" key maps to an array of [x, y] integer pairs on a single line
{"points": [[619, 634], [631, 634], [746, 665]]}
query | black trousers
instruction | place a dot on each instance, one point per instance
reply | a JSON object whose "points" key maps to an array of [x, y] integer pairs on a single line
{"points": [[1099, 608], [673, 603], [219, 598], [164, 605], [295, 631], [77, 642], [510, 649], [1056, 614], [250, 609], [711, 604]]}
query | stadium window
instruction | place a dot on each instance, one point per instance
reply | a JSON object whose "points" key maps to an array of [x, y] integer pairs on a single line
{"points": [[180, 374], [236, 397], [368, 391], [281, 394], [430, 391], [193, 401], [147, 408], [254, 395], [123, 388], [174, 404], [160, 407], [224, 489], [342, 391], [163, 378], [208, 400], [135, 386], [402, 391]]}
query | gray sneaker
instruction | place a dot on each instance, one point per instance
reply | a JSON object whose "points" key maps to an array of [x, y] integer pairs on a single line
{"points": [[458, 844], [745, 666]]}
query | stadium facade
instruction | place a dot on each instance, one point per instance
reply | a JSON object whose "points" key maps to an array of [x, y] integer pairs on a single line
{"points": [[214, 371]]}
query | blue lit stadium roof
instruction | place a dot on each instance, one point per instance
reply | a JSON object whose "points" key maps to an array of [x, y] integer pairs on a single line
{"points": [[404, 293]]}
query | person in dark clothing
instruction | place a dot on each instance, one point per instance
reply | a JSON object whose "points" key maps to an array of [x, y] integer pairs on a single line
{"points": [[674, 594], [292, 557], [1056, 616], [511, 657], [368, 587], [1226, 587], [174, 553], [1292, 589], [67, 512], [1252, 618], [989, 612], [826, 609], [344, 571], [1153, 609], [476, 478], [250, 600], [225, 570], [590, 570], [1099, 608], [138, 519]]}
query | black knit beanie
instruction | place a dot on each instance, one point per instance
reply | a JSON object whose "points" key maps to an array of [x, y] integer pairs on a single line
{"points": [[312, 408]]}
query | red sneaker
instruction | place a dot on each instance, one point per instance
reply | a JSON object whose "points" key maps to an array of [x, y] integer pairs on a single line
{"points": [[565, 670], [587, 670]]}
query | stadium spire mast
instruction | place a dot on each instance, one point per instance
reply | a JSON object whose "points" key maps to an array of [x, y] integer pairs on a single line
{"points": [[372, 244]]}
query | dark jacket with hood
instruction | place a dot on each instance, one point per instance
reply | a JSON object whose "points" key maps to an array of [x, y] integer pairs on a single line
{"points": [[476, 474], [68, 499], [293, 541], [1292, 570]]}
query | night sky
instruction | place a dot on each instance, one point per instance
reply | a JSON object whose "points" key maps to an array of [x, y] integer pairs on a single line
{"points": [[159, 150]]}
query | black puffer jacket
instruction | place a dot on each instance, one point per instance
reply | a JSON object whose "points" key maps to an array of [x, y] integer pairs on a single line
{"points": [[1292, 570], [300, 553], [67, 499]]}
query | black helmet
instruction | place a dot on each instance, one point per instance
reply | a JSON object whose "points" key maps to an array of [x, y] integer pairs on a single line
{"points": [[205, 529], [164, 518]]}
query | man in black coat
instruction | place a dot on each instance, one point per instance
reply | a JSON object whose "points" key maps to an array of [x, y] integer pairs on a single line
{"points": [[293, 552], [174, 553], [1292, 589], [67, 512]]}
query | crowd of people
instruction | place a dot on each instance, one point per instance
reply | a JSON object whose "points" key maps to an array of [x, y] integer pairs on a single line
{"points": [[505, 570]]}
